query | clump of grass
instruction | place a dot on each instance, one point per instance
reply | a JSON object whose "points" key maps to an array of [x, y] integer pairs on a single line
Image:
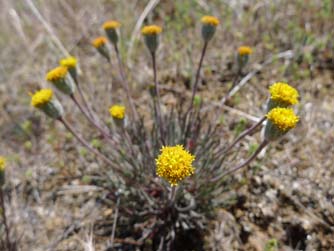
{"points": [[164, 179]]}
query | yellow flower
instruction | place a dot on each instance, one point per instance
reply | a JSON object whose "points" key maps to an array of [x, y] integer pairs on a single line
{"points": [[41, 97], [244, 50], [69, 62], [284, 93], [210, 20], [151, 30], [2, 163], [283, 118], [99, 41], [117, 111], [57, 73], [174, 164], [111, 25]]}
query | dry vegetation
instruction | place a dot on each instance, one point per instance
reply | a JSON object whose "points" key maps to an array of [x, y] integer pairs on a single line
{"points": [[282, 201]]}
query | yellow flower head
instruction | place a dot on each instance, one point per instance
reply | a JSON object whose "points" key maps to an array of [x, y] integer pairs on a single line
{"points": [[151, 30], [111, 25], [99, 41], [2, 163], [283, 118], [69, 62], [41, 97], [244, 50], [174, 164], [284, 93], [57, 73], [210, 20], [117, 111]]}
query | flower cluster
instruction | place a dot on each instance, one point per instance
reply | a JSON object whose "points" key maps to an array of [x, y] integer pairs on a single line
{"points": [[284, 94], [280, 121], [41, 97], [151, 30], [174, 164], [58, 77], [151, 37], [112, 24], [2, 163], [69, 62], [2, 171], [117, 111], [210, 20], [99, 41], [283, 118], [245, 50], [57, 74], [280, 118], [110, 27], [209, 27]]}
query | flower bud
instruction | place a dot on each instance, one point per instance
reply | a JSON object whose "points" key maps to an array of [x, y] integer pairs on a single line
{"points": [[70, 63], [117, 112], [58, 76], [2, 171], [100, 44], [151, 37], [209, 27], [110, 27], [279, 122], [282, 95], [244, 50], [243, 56], [44, 100]]}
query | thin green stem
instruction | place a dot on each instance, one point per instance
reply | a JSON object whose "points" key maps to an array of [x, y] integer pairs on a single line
{"points": [[113, 165], [91, 120], [157, 102], [243, 164], [194, 90], [172, 196], [188, 118], [126, 83], [84, 100], [90, 109], [245, 133], [88, 146]]}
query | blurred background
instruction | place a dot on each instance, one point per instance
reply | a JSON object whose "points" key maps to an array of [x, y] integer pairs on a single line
{"points": [[285, 199]]}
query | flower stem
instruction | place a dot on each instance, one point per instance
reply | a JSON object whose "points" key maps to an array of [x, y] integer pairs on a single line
{"points": [[194, 90], [84, 100], [87, 145], [125, 81], [91, 120], [172, 196], [245, 163], [188, 118], [245, 133], [157, 93], [128, 180]]}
